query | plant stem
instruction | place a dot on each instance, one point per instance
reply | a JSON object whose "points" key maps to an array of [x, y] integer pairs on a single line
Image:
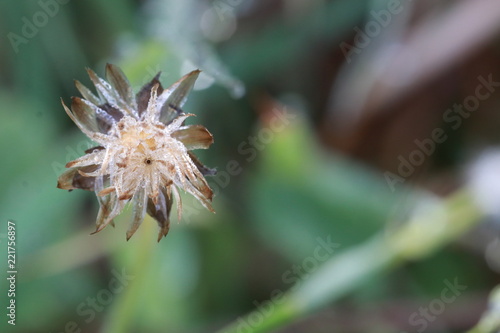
{"points": [[421, 236], [121, 318]]}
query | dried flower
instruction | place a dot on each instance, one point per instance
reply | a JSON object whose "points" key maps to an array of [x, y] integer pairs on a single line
{"points": [[144, 149]]}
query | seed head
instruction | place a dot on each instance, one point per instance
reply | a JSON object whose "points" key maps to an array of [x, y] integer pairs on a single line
{"points": [[144, 153]]}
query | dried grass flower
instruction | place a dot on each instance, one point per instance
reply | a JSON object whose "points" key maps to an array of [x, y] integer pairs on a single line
{"points": [[144, 152]]}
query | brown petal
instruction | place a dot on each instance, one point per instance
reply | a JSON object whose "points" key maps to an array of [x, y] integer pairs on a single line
{"points": [[106, 206], [144, 94], [72, 179], [125, 196], [173, 98], [65, 181], [82, 126], [106, 191], [103, 88], [88, 159], [83, 182], [103, 122], [93, 149], [119, 81], [86, 113], [204, 191], [86, 93], [205, 171], [109, 209], [207, 192], [161, 212], [194, 137], [109, 94], [140, 206]]}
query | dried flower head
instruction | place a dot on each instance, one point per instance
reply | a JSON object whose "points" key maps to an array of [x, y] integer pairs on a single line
{"points": [[144, 153]]}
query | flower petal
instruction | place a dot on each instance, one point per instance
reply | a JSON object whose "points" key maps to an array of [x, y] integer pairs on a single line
{"points": [[90, 114], [161, 212], [112, 115], [201, 191], [109, 209], [205, 171], [94, 149], [176, 123], [143, 96], [172, 99], [177, 197], [106, 207], [195, 184], [120, 83], [86, 93], [194, 137], [97, 137], [109, 94], [140, 200], [65, 181], [72, 179], [104, 192], [86, 129], [93, 158], [151, 111]]}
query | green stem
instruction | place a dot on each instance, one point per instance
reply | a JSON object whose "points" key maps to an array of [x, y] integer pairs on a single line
{"points": [[121, 318], [419, 237]]}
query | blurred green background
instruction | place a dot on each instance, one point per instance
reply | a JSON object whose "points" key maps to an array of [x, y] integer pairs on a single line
{"points": [[351, 86]]}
